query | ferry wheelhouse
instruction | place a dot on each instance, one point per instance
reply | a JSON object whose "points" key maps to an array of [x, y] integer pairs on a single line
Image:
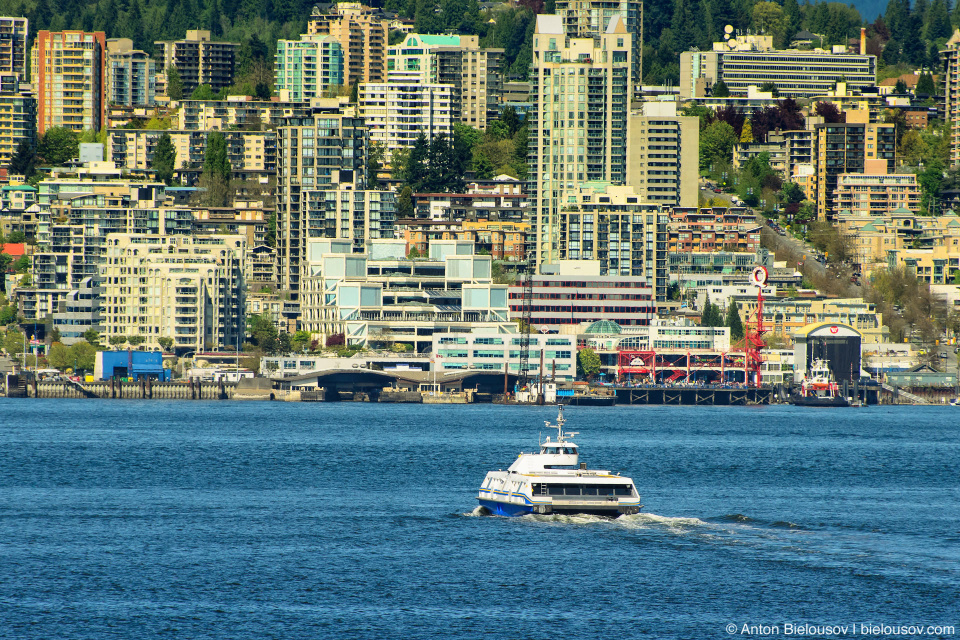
{"points": [[555, 481]]}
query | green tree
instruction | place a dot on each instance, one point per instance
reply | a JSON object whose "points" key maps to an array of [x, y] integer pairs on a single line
{"points": [[59, 356], [768, 18], [710, 316], [58, 145], [164, 158], [716, 144], [13, 342], [720, 90], [117, 341], [263, 333], [136, 340], [300, 340], [23, 161], [215, 178], [215, 158], [416, 170], [746, 134], [926, 85], [84, 355], [733, 321], [203, 92], [375, 158], [174, 84], [405, 203], [92, 337], [270, 237], [165, 343], [588, 363]]}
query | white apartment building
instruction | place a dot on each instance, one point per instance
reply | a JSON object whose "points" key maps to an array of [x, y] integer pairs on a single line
{"points": [[457, 60], [581, 88], [187, 288], [397, 111]]}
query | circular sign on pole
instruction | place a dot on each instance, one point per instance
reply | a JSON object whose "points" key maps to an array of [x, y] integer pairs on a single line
{"points": [[759, 276]]}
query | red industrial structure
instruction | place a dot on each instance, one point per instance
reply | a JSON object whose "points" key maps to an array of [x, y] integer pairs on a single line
{"points": [[667, 366]]}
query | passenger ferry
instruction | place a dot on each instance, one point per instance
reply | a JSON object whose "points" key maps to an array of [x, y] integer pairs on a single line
{"points": [[555, 481]]}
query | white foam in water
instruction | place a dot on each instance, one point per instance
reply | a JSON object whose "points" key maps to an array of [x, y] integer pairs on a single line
{"points": [[644, 520]]}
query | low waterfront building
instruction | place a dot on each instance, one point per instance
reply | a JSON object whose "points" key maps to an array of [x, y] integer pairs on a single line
{"points": [[786, 316], [382, 298], [492, 351]]}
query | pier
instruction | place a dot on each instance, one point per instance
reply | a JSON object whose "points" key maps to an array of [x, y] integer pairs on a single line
{"points": [[387, 387]]}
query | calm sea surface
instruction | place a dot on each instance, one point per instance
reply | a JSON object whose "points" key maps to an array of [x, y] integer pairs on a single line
{"points": [[275, 520]]}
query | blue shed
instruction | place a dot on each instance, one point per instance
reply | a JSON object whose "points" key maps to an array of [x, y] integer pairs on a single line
{"points": [[130, 364]]}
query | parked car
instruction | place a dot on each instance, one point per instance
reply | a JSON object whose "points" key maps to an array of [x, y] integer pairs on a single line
{"points": [[943, 355]]}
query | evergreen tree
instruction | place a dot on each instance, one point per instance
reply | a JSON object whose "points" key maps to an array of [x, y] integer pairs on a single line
{"points": [[733, 321], [215, 179], [938, 21], [405, 203], [215, 160], [164, 158], [926, 85], [417, 163], [22, 162], [720, 90], [174, 84]]}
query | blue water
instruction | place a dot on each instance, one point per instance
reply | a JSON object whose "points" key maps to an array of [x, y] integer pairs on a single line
{"points": [[273, 520]]}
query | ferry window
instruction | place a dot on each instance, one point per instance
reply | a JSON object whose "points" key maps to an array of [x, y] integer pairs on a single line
{"points": [[570, 450], [590, 490], [572, 490], [556, 490]]}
